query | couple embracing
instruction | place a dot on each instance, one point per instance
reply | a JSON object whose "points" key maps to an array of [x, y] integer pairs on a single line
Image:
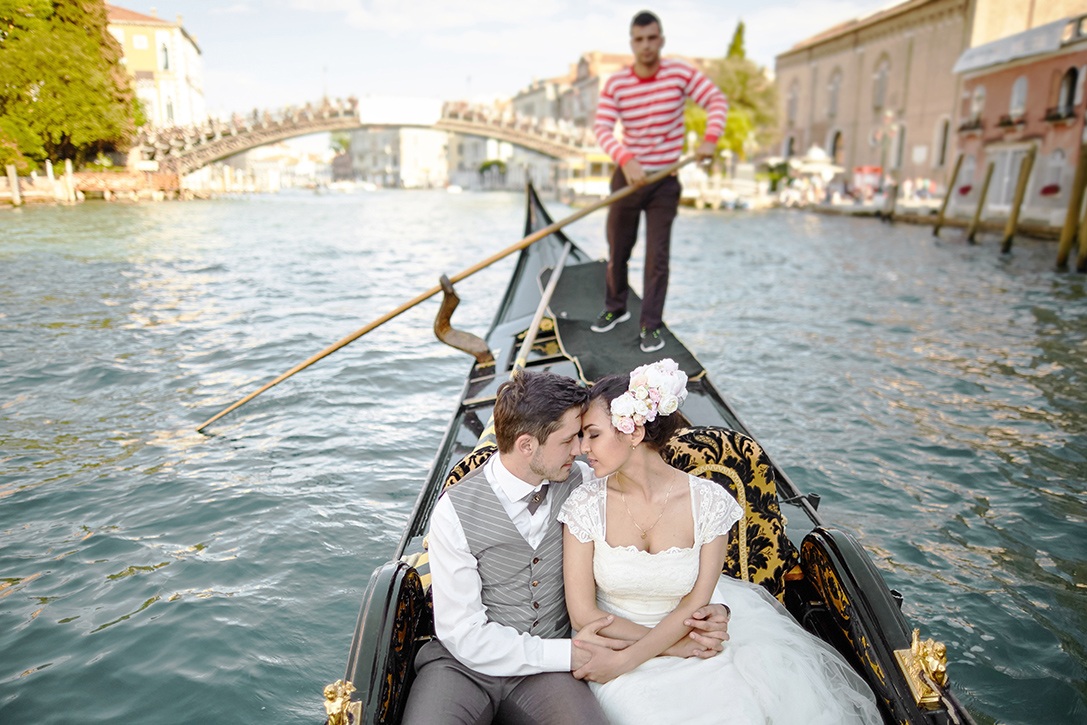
{"points": [[628, 551]]}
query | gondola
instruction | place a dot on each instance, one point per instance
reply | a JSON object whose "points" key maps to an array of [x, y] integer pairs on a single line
{"points": [[818, 571]]}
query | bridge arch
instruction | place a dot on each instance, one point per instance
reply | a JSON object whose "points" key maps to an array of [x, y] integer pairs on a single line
{"points": [[183, 150]]}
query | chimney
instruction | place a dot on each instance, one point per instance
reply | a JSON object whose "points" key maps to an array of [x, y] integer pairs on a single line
{"points": [[154, 12], [179, 19]]}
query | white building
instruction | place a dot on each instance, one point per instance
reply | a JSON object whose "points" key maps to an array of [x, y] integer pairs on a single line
{"points": [[165, 63]]}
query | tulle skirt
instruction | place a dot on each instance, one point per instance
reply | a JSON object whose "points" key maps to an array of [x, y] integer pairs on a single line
{"points": [[771, 671]]}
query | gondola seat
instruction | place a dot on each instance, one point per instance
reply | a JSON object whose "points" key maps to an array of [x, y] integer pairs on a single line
{"points": [[758, 549]]}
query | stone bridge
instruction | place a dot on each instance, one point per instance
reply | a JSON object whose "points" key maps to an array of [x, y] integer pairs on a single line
{"points": [[184, 149]]}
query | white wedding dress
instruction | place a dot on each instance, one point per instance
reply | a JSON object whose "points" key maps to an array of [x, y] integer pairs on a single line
{"points": [[771, 669]]}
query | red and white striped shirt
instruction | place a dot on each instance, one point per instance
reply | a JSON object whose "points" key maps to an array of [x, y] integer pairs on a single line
{"points": [[651, 110]]}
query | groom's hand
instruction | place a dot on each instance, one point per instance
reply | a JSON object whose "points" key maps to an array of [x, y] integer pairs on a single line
{"points": [[709, 628], [579, 657]]}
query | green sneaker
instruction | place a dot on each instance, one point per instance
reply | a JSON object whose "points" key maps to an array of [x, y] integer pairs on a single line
{"points": [[651, 340], [608, 320]]}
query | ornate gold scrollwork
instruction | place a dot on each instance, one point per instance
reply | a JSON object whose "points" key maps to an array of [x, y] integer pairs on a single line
{"points": [[925, 666], [338, 702]]}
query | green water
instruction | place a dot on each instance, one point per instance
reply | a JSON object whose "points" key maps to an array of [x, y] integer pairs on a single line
{"points": [[934, 394]]}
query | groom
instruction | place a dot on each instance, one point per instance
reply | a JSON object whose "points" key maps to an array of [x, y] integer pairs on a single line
{"points": [[502, 649]]}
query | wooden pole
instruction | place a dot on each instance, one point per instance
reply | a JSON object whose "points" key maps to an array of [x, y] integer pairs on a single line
{"points": [[13, 182], [527, 241], [1025, 167], [69, 180], [972, 231], [1081, 260], [947, 196], [1075, 203]]}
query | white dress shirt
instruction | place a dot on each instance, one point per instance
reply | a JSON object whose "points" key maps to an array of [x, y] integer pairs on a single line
{"points": [[460, 618]]}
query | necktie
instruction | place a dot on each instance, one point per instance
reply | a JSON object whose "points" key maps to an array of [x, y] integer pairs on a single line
{"points": [[535, 499]]}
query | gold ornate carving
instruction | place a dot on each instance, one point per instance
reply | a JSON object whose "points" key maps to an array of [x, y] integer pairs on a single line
{"points": [[925, 666], [338, 702]]}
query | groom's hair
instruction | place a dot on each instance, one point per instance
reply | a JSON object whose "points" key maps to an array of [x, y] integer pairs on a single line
{"points": [[534, 403]]}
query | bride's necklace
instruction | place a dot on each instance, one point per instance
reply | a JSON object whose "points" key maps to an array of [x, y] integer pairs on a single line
{"points": [[645, 532]]}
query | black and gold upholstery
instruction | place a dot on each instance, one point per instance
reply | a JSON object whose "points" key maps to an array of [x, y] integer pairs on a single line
{"points": [[469, 463], [758, 549]]}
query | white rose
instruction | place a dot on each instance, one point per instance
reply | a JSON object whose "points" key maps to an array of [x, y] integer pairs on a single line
{"points": [[668, 405], [623, 406], [640, 408]]}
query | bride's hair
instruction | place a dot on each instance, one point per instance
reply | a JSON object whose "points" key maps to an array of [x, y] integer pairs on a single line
{"points": [[657, 431]]}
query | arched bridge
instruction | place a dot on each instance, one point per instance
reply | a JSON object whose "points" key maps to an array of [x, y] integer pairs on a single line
{"points": [[184, 149]]}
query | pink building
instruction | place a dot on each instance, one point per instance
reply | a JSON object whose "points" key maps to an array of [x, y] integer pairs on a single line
{"points": [[1021, 92]]}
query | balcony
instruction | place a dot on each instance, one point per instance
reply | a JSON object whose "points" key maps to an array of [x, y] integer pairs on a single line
{"points": [[1009, 120], [1060, 114], [971, 125]]}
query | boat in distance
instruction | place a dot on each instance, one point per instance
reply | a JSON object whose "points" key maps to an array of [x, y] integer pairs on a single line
{"points": [[818, 571]]}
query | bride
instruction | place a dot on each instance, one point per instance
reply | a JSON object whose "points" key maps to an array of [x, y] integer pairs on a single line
{"points": [[645, 542]]}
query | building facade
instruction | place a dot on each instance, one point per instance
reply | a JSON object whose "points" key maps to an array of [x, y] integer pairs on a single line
{"points": [[878, 92], [165, 63], [1023, 95]]}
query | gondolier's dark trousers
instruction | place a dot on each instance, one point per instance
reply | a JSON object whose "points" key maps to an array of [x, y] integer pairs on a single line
{"points": [[447, 692], [660, 202]]}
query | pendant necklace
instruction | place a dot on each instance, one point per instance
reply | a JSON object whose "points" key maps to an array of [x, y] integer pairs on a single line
{"points": [[645, 532]]}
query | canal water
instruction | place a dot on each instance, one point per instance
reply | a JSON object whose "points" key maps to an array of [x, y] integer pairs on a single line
{"points": [[934, 394]]}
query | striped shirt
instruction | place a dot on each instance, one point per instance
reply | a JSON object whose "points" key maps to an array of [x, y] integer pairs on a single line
{"points": [[651, 110]]}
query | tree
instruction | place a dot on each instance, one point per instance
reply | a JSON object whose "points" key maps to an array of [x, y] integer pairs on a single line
{"points": [[340, 142], [736, 47], [63, 90], [752, 101]]}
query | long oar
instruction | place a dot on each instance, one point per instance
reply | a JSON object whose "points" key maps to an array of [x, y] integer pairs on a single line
{"points": [[530, 239]]}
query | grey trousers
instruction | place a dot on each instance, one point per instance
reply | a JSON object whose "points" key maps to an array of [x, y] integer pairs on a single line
{"points": [[446, 691]]}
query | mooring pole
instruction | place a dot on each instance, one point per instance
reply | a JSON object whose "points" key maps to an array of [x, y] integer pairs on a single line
{"points": [[1081, 260], [973, 230], [13, 182], [1075, 203], [1025, 168], [947, 196]]}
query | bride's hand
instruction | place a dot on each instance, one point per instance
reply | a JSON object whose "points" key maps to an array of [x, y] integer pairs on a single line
{"points": [[709, 626], [604, 664]]}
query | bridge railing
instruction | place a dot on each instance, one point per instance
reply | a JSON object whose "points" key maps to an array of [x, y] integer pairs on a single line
{"points": [[176, 139], [558, 131]]}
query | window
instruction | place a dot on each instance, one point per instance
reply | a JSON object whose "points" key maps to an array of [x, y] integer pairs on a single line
{"points": [[1018, 103], [790, 147], [1066, 100], [1055, 172], [833, 88], [836, 151], [165, 55], [169, 111], [792, 102], [1006, 165], [879, 83], [977, 102]]}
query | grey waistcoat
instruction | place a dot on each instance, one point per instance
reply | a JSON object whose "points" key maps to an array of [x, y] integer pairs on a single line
{"points": [[522, 586]]}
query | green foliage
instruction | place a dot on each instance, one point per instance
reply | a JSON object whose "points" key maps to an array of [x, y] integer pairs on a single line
{"points": [[63, 90], [497, 164], [736, 47], [752, 105], [340, 142]]}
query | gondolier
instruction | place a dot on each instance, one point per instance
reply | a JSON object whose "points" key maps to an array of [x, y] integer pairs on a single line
{"points": [[648, 98]]}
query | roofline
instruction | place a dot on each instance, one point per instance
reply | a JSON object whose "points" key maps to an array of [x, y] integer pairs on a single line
{"points": [[859, 23], [149, 20]]}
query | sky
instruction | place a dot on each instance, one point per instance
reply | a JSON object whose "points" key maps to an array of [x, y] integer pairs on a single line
{"points": [[273, 53]]}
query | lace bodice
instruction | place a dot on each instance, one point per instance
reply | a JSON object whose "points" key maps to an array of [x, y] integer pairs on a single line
{"points": [[635, 584]]}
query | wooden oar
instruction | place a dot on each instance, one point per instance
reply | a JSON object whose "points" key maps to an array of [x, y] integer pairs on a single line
{"points": [[530, 239]]}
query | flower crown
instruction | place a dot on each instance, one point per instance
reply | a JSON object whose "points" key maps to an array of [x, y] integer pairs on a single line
{"points": [[655, 389]]}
